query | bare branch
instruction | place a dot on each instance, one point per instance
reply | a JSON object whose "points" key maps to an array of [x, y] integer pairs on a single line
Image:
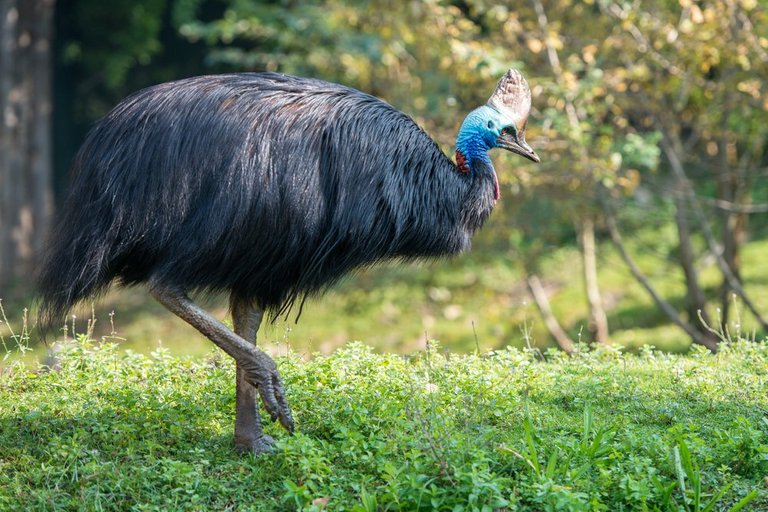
{"points": [[554, 62], [643, 44], [749, 32], [542, 302], [598, 320], [729, 206]]}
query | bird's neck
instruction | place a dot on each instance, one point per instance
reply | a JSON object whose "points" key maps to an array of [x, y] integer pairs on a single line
{"points": [[470, 147], [472, 158], [469, 158]]}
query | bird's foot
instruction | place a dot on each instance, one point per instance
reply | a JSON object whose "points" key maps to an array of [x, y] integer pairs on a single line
{"points": [[261, 372], [258, 445]]}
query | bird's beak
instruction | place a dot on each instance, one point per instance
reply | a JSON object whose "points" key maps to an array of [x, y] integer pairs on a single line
{"points": [[516, 144]]}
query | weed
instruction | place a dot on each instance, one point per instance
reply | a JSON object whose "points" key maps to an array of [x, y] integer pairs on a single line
{"points": [[19, 342]]}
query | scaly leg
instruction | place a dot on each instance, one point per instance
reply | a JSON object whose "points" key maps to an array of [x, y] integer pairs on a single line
{"points": [[257, 367], [246, 318]]}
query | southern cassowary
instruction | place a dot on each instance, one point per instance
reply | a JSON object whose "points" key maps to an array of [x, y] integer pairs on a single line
{"points": [[270, 188]]}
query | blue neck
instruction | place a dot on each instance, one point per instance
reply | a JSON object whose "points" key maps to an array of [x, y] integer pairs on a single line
{"points": [[472, 146], [474, 139]]}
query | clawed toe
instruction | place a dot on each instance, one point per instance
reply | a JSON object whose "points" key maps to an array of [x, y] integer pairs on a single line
{"points": [[263, 375], [273, 398]]}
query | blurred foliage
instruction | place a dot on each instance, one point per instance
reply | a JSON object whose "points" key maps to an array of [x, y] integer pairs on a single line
{"points": [[107, 41]]}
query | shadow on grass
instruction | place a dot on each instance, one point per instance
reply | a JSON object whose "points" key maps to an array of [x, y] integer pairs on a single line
{"points": [[141, 450]]}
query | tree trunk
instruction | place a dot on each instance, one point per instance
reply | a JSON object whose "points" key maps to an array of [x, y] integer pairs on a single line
{"points": [[695, 300], [734, 233], [734, 185], [25, 139], [725, 189], [598, 322], [730, 188]]}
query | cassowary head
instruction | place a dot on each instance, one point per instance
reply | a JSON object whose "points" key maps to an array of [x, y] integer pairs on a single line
{"points": [[500, 123]]}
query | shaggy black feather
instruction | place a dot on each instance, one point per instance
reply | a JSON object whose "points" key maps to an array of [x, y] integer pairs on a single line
{"points": [[268, 186]]}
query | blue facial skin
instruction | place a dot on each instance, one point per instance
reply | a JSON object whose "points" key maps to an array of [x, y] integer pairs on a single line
{"points": [[479, 133]]}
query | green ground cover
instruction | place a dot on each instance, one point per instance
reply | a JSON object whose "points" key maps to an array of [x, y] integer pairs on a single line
{"points": [[505, 430]]}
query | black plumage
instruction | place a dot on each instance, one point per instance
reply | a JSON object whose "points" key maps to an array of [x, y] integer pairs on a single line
{"points": [[267, 185]]}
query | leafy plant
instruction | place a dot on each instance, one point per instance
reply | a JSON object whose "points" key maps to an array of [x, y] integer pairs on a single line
{"points": [[687, 470], [600, 430]]}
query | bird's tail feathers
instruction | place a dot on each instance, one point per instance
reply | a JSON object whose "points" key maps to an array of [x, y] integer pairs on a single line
{"points": [[75, 268]]}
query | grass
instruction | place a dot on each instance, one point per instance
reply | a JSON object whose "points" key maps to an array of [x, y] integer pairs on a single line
{"points": [[502, 431]]}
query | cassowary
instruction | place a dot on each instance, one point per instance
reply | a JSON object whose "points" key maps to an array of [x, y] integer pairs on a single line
{"points": [[269, 188]]}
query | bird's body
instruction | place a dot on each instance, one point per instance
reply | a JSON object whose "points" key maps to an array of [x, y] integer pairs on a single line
{"points": [[270, 188], [268, 185]]}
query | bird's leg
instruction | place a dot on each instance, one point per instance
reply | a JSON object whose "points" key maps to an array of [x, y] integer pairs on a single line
{"points": [[246, 318], [257, 367]]}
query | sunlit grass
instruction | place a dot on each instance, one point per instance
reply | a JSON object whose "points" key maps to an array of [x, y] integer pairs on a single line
{"points": [[507, 430]]}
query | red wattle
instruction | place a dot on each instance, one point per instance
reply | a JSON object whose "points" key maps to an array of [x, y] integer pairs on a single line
{"points": [[461, 163]]}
